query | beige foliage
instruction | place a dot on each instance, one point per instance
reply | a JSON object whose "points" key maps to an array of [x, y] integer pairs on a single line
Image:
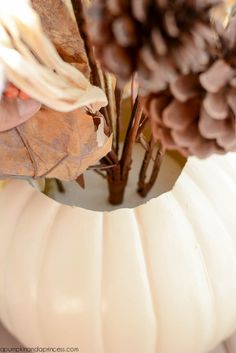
{"points": [[32, 63], [52, 144]]}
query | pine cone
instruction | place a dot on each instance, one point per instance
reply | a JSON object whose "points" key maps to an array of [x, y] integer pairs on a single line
{"points": [[196, 114], [157, 38]]}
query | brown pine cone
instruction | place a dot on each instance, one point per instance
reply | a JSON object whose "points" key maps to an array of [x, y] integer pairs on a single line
{"points": [[196, 114], [158, 38]]}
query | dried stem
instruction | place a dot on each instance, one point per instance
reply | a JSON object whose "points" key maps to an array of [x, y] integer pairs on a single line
{"points": [[143, 123], [80, 17], [118, 96], [133, 91], [111, 108], [60, 186], [118, 176], [79, 11], [104, 176], [118, 169], [145, 186], [131, 137], [101, 167]]}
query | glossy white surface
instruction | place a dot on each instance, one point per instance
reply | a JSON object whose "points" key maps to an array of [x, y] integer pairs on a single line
{"points": [[157, 279], [8, 341]]}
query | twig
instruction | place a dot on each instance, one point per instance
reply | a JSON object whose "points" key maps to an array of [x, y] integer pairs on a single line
{"points": [[111, 108], [130, 138], [117, 177], [118, 96], [95, 76], [144, 144], [118, 169], [60, 186], [145, 165], [104, 176], [143, 124], [80, 17], [101, 167], [132, 90], [145, 186], [111, 158]]}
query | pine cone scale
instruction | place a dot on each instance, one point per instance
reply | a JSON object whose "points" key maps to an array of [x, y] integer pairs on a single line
{"points": [[125, 32], [186, 138], [231, 100], [186, 68], [228, 142], [185, 87], [218, 75], [178, 115], [212, 128], [153, 31], [115, 58], [216, 105]]}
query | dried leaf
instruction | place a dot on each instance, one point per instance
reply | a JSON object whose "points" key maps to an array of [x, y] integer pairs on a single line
{"points": [[52, 144], [2, 79], [80, 180], [62, 29], [14, 112], [32, 63]]}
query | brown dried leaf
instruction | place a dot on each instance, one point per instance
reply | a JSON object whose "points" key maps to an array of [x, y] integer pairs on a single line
{"points": [[14, 112], [80, 180], [62, 29], [52, 144]]}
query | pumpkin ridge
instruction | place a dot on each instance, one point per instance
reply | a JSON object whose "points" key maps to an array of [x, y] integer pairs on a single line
{"points": [[221, 171], [147, 271], [198, 301], [40, 318], [102, 329], [181, 187], [208, 279], [40, 273], [201, 178], [14, 233], [228, 168], [230, 160]]}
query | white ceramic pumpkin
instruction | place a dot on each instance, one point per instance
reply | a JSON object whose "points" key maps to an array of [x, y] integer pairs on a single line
{"points": [[228, 346], [160, 278]]}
